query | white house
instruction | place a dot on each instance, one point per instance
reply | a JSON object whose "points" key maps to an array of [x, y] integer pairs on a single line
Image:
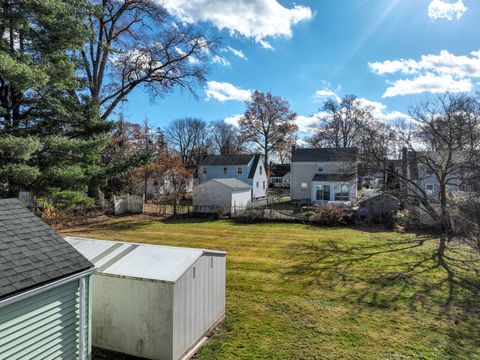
{"points": [[44, 290], [223, 196], [324, 176], [279, 175], [246, 168], [151, 301]]}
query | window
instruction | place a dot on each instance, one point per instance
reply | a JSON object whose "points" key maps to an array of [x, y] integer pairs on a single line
{"points": [[261, 170], [323, 193], [257, 184], [304, 186], [225, 171], [342, 193], [204, 171], [429, 188], [264, 185], [320, 168], [240, 171]]}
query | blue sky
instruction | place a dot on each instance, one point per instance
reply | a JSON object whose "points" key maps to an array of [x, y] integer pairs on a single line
{"points": [[392, 53]]}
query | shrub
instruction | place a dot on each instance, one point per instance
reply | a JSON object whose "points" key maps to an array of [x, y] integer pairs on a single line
{"points": [[328, 216]]}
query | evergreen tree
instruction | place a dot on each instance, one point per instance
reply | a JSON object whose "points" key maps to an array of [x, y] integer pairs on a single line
{"points": [[50, 134]]}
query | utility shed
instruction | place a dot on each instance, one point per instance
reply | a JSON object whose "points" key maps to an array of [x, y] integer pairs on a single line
{"points": [[152, 301], [224, 196], [44, 290]]}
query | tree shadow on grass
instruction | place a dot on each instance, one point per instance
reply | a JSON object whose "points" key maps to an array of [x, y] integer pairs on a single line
{"points": [[387, 273]]}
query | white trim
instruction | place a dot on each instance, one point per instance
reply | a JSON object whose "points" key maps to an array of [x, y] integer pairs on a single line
{"points": [[83, 320], [40, 289]]}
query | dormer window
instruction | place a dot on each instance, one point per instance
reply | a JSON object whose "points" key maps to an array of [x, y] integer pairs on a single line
{"points": [[320, 168], [225, 171]]}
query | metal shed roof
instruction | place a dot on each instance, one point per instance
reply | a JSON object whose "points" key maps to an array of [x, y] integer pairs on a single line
{"points": [[140, 261], [233, 183]]}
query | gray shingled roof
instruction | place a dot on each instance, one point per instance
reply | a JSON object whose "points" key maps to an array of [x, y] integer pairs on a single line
{"points": [[31, 253], [279, 170], [325, 154], [226, 160], [333, 177]]}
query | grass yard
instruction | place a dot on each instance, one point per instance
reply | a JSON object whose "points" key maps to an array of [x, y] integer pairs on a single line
{"points": [[299, 292]]}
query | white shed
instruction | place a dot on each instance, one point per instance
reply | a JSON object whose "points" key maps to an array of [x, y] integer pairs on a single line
{"points": [[221, 196], [153, 301]]}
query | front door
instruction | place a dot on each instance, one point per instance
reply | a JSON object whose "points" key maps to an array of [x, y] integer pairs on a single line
{"points": [[323, 193]]}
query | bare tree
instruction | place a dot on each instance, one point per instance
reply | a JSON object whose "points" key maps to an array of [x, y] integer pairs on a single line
{"points": [[225, 138], [136, 43], [188, 137], [284, 152], [268, 122], [341, 123], [440, 156]]}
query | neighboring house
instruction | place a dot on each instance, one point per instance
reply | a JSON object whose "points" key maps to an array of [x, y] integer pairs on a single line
{"points": [[322, 176], [279, 175], [161, 188], [223, 196], [151, 301], [410, 167], [247, 168], [44, 290]]}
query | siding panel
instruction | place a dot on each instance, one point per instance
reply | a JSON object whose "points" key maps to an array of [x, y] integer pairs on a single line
{"points": [[44, 326]]}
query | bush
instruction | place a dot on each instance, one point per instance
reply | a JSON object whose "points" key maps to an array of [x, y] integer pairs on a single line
{"points": [[328, 216], [67, 200], [402, 220]]}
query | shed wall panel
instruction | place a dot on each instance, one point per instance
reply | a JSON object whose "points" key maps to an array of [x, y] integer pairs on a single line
{"points": [[132, 316], [44, 326], [199, 301]]}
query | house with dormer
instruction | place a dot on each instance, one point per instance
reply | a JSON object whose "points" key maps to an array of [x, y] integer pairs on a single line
{"points": [[247, 168], [324, 176]]}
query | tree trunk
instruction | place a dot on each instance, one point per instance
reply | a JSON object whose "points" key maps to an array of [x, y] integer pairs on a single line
{"points": [[445, 211]]}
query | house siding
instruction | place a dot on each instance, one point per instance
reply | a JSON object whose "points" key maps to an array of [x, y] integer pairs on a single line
{"points": [[45, 325], [304, 173]]}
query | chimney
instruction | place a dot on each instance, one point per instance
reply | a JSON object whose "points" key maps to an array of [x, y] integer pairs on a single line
{"points": [[294, 147], [405, 162]]}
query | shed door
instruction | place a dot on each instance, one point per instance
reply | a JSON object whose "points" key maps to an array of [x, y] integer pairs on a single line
{"points": [[43, 326]]}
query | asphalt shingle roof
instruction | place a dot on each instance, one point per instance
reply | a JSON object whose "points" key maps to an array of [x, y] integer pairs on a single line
{"points": [[333, 177], [325, 154], [226, 160], [279, 170], [32, 253]]}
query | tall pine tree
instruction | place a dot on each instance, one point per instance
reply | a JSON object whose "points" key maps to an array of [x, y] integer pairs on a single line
{"points": [[50, 134]]}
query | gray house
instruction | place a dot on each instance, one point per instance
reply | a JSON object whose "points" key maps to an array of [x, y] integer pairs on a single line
{"points": [[324, 176], [44, 290], [247, 168]]}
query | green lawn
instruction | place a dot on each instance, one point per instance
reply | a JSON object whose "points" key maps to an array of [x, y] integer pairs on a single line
{"points": [[299, 292]]}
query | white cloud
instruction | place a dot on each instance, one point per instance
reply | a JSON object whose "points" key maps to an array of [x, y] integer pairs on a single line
{"points": [[233, 120], [428, 83], [224, 91], [236, 52], [445, 63], [257, 19], [323, 93], [304, 123], [441, 73], [216, 59], [440, 9]]}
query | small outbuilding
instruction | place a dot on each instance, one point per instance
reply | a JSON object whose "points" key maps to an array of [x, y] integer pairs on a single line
{"points": [[378, 204], [221, 196], [152, 301], [44, 290]]}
